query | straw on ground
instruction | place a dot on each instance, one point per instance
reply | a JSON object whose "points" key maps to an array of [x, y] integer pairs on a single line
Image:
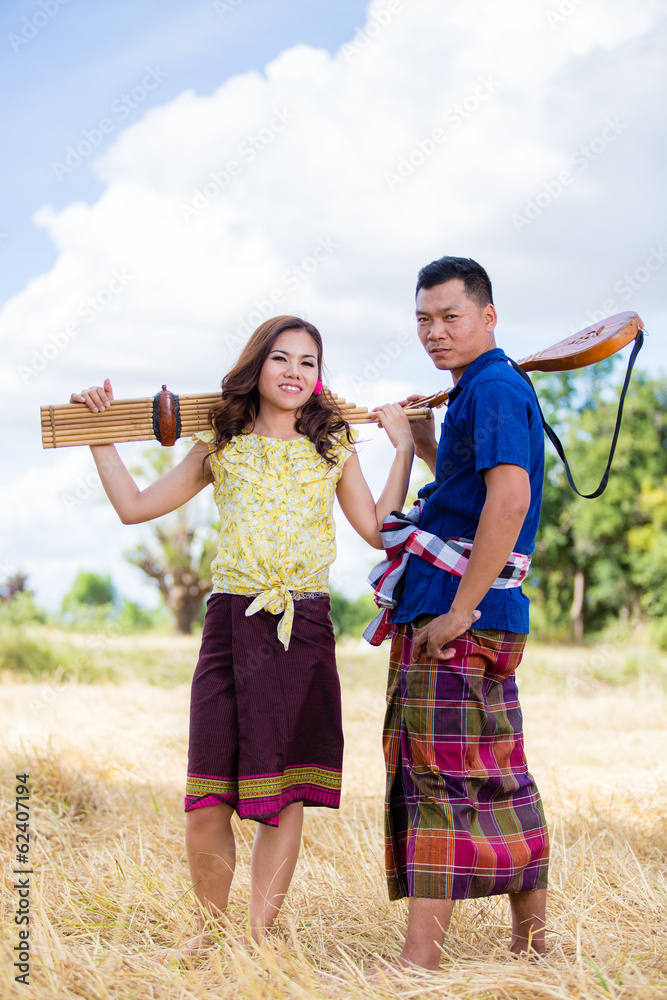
{"points": [[110, 893]]}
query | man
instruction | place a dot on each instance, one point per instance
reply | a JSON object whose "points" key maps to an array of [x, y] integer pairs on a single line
{"points": [[463, 815]]}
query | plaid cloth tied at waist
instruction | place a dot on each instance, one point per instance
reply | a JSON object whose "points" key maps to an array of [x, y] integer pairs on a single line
{"points": [[402, 538]]}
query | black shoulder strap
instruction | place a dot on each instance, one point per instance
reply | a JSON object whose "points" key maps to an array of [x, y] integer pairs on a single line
{"points": [[553, 437]]}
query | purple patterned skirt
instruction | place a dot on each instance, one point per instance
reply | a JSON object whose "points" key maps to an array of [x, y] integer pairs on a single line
{"points": [[463, 816], [265, 722]]}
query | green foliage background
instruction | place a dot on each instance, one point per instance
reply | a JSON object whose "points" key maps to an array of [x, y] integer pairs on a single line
{"points": [[617, 541], [351, 617]]}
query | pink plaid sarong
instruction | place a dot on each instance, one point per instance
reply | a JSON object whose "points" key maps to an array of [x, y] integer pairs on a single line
{"points": [[401, 537], [463, 815]]}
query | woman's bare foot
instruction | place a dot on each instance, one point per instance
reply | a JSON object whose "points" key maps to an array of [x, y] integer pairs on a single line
{"points": [[208, 940], [196, 948]]}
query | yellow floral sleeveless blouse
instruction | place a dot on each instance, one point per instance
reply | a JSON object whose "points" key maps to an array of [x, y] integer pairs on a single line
{"points": [[275, 500]]}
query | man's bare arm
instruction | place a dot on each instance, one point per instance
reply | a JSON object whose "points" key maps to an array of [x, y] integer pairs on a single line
{"points": [[504, 511]]}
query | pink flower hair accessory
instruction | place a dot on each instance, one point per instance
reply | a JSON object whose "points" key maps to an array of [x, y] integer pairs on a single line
{"points": [[318, 388]]}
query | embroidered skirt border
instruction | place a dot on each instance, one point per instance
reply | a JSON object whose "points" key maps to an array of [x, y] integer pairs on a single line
{"points": [[265, 722]]}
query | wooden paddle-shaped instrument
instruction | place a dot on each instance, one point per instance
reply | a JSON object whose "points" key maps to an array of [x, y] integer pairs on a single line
{"points": [[166, 417]]}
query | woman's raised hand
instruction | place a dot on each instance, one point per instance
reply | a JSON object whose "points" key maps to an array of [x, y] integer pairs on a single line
{"points": [[423, 434], [98, 397], [394, 420]]}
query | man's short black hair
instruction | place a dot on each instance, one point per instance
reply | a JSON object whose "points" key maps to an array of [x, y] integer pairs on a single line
{"points": [[475, 279]]}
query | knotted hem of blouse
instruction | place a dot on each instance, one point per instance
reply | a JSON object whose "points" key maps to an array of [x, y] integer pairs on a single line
{"points": [[278, 599]]}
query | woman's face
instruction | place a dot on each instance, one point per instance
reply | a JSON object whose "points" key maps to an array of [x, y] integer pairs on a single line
{"points": [[289, 374]]}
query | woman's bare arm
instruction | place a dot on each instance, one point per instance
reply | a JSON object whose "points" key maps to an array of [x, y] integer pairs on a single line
{"points": [[354, 495], [167, 493]]}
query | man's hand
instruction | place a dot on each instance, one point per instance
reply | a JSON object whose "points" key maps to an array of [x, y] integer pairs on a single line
{"points": [[507, 500], [430, 640]]}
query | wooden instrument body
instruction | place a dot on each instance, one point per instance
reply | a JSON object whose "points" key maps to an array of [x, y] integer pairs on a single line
{"points": [[165, 417], [593, 344]]}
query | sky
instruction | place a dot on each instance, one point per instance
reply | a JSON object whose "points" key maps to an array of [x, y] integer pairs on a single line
{"points": [[174, 174]]}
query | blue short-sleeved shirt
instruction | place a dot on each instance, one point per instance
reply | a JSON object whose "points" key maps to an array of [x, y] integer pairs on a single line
{"points": [[492, 418]]}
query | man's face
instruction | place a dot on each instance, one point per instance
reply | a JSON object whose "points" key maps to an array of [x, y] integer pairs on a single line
{"points": [[453, 328]]}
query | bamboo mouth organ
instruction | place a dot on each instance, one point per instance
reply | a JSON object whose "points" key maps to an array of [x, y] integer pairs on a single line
{"points": [[166, 417]]}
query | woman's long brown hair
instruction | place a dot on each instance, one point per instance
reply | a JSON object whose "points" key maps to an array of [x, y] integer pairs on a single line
{"points": [[319, 418]]}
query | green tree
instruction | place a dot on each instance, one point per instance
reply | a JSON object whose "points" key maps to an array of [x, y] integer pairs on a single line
{"points": [[17, 602], [647, 543], [351, 617], [13, 585], [89, 589], [601, 560]]}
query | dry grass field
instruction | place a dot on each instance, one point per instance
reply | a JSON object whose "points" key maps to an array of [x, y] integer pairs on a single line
{"points": [[110, 890]]}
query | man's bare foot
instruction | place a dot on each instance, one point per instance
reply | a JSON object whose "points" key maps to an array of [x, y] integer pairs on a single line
{"points": [[539, 957]]}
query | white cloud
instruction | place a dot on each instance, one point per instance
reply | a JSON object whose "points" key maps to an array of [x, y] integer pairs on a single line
{"points": [[215, 203]]}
